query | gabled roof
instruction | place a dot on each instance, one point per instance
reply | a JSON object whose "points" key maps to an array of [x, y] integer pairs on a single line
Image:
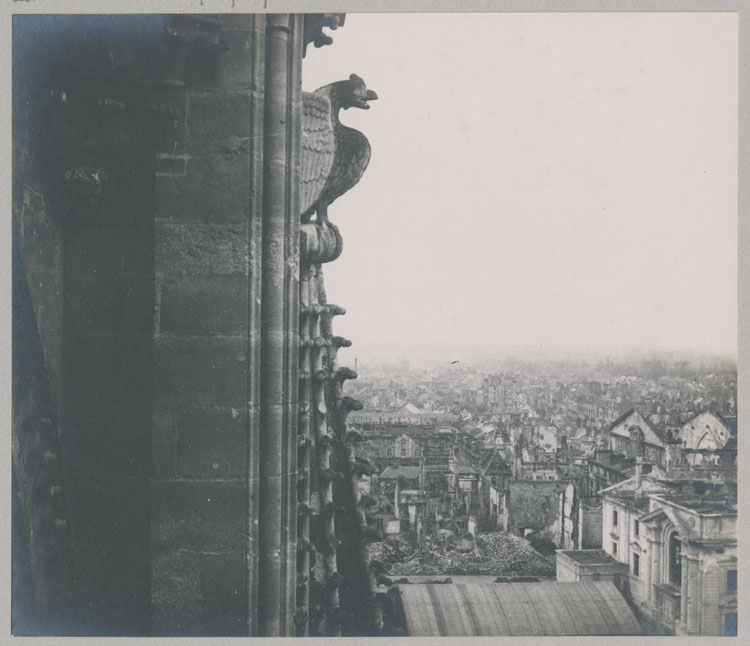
{"points": [[499, 609], [621, 418], [648, 486], [661, 433], [729, 422]]}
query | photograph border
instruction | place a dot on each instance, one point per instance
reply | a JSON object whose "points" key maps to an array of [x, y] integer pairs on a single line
{"points": [[362, 6]]}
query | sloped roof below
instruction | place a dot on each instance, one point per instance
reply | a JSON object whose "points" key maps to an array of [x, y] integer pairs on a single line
{"points": [[544, 608]]}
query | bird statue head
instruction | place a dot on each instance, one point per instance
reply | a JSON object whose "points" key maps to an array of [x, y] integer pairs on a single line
{"points": [[354, 93]]}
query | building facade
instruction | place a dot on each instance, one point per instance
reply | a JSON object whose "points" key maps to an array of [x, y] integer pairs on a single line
{"points": [[679, 541]]}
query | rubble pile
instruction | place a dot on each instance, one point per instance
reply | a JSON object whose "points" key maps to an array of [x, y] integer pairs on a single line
{"points": [[391, 551], [496, 554]]}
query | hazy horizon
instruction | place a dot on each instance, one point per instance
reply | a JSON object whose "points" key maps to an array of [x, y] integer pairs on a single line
{"points": [[373, 353], [540, 179]]}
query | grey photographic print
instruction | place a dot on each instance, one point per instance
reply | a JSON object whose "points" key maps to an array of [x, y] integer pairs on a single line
{"points": [[374, 324]]}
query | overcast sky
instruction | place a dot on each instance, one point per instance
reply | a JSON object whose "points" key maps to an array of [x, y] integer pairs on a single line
{"points": [[540, 179]]}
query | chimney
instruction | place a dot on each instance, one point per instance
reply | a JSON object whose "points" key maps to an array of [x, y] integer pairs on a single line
{"points": [[638, 472]]}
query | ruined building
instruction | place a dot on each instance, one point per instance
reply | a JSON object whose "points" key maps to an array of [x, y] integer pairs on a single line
{"points": [[181, 458], [669, 542]]}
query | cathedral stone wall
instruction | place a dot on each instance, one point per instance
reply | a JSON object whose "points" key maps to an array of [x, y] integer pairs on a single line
{"points": [[157, 327]]}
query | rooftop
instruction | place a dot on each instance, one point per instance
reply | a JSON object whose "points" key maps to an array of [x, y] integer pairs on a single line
{"points": [[588, 556], [631, 498], [709, 504], [493, 609]]}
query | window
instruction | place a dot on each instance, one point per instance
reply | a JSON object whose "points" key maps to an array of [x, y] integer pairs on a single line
{"points": [[403, 453], [731, 580], [614, 548], [636, 528], [615, 519], [730, 624], [675, 560], [636, 564]]}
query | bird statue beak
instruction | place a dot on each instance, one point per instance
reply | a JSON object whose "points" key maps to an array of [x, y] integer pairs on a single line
{"points": [[369, 96]]}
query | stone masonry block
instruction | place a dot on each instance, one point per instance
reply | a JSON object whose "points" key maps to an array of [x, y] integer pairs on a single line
{"points": [[110, 439], [204, 304], [163, 443], [139, 249], [219, 123], [123, 305], [94, 254], [230, 67], [112, 538], [101, 190], [211, 189], [170, 165], [189, 249], [103, 369], [202, 371], [211, 443], [198, 594], [198, 516], [176, 598], [223, 591]]}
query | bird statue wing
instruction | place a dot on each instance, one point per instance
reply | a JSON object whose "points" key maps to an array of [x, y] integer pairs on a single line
{"points": [[352, 159], [318, 148]]}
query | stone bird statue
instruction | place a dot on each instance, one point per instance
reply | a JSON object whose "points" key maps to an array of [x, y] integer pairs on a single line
{"points": [[334, 157]]}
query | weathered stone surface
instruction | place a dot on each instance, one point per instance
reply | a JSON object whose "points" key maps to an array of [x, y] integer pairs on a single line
{"points": [[102, 368], [111, 548], [212, 189], [184, 249], [211, 443], [199, 594], [319, 243], [176, 593], [198, 516], [94, 254], [111, 439], [138, 240], [144, 150], [223, 578], [123, 306], [88, 191], [85, 115], [228, 67], [164, 443], [219, 123], [204, 305], [168, 165], [40, 244], [169, 109], [210, 371]]}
